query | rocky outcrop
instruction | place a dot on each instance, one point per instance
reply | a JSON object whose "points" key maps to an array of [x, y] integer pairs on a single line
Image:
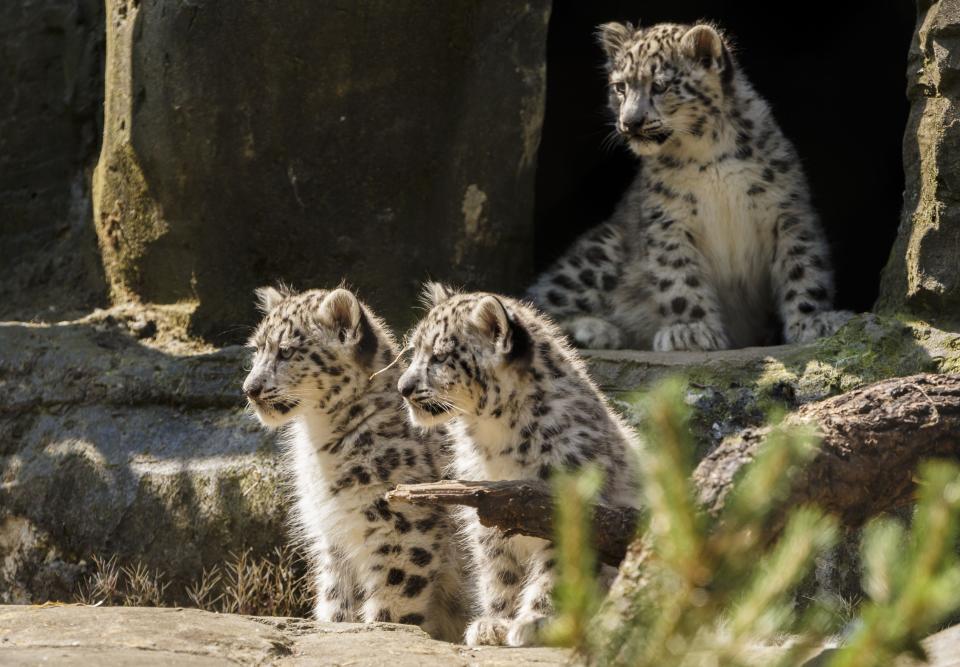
{"points": [[108, 446], [115, 439], [137, 636], [314, 141], [73, 635], [923, 274]]}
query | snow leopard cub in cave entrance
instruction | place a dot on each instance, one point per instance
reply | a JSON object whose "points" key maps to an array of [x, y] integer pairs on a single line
{"points": [[348, 442], [518, 404], [715, 244]]}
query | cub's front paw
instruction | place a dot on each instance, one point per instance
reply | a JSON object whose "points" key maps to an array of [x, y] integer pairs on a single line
{"points": [[594, 333], [525, 630], [487, 631], [692, 336], [817, 325]]}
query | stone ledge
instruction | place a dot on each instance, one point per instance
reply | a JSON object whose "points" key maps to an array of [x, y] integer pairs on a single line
{"points": [[163, 636], [119, 636]]}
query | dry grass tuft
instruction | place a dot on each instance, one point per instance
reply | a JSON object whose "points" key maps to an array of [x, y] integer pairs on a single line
{"points": [[274, 585]]}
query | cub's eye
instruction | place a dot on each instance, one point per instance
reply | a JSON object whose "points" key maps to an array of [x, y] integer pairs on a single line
{"points": [[285, 352], [438, 358], [620, 88], [658, 87]]}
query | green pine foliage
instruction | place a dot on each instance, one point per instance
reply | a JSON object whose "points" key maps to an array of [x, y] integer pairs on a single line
{"points": [[718, 591]]}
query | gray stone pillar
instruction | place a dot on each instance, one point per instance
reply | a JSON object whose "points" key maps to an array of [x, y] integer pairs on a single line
{"points": [[923, 273], [312, 141]]}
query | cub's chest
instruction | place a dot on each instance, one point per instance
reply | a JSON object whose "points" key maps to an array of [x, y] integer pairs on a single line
{"points": [[727, 219]]}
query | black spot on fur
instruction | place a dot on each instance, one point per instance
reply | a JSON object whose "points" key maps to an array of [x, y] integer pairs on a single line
{"points": [[678, 305], [697, 313], [395, 576], [401, 523], [383, 616], [557, 299], [508, 578], [387, 463], [564, 281], [420, 557], [383, 509], [427, 524], [414, 586], [806, 308], [597, 255], [796, 273], [360, 474], [411, 619]]}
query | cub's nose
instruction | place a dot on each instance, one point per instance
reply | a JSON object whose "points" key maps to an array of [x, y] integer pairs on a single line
{"points": [[406, 385], [252, 390]]}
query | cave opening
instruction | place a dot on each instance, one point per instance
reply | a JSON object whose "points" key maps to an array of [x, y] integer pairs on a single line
{"points": [[834, 75]]}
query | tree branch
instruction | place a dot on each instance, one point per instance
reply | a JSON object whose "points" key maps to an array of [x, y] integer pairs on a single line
{"points": [[872, 440], [523, 508]]}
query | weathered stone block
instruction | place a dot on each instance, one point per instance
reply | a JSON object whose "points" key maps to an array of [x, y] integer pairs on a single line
{"points": [[923, 273], [379, 142]]}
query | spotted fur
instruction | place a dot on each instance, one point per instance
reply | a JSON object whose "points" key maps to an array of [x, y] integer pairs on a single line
{"points": [[716, 243], [348, 444], [518, 404]]}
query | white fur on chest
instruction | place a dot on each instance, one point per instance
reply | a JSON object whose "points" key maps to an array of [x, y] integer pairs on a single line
{"points": [[325, 518], [731, 229], [476, 450]]}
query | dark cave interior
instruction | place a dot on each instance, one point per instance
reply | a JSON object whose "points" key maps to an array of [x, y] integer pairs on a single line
{"points": [[836, 86]]}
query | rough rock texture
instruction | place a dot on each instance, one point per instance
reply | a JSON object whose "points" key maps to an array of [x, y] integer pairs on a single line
{"points": [[51, 96], [923, 274], [314, 141], [137, 636], [73, 635], [735, 389], [109, 446], [114, 444]]}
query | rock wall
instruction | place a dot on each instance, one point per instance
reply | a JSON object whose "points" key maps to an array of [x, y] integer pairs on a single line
{"points": [[108, 446], [923, 273], [51, 87], [313, 141]]}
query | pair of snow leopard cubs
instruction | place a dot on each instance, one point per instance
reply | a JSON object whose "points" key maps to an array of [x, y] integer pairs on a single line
{"points": [[515, 402], [714, 244]]}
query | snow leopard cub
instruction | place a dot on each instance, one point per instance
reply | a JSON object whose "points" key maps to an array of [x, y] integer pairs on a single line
{"points": [[348, 443], [518, 404], [716, 243]]}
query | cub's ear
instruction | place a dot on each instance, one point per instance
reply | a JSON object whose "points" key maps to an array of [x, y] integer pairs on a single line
{"points": [[704, 45], [269, 297], [613, 37], [434, 293], [340, 311], [492, 320]]}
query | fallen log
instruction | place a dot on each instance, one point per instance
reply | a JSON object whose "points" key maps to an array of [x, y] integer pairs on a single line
{"points": [[872, 439], [523, 508]]}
